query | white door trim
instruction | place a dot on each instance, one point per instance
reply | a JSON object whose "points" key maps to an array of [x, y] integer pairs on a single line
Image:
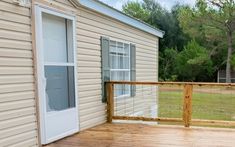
{"points": [[40, 71]]}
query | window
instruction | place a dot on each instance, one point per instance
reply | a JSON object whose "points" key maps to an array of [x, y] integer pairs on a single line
{"points": [[120, 66]]}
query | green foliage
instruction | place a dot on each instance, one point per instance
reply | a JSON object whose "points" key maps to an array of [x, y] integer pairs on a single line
{"points": [[200, 25], [233, 61], [194, 63], [135, 9], [212, 24], [208, 23], [174, 40], [151, 12], [167, 21], [167, 64]]}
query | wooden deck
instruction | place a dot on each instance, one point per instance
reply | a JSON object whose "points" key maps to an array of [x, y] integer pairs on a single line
{"points": [[140, 135]]}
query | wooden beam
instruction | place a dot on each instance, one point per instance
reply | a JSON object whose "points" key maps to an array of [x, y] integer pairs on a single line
{"points": [[110, 102], [173, 83], [147, 119], [213, 122], [187, 108], [178, 120]]}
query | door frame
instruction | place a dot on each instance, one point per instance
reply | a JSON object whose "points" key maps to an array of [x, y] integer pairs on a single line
{"points": [[40, 70]]}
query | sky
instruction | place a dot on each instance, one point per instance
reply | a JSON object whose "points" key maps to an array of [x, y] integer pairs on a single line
{"points": [[165, 3]]}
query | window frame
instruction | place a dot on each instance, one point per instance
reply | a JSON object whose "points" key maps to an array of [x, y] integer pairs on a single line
{"points": [[122, 70]]}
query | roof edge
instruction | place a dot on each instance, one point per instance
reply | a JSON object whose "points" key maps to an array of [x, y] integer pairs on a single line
{"points": [[116, 14]]}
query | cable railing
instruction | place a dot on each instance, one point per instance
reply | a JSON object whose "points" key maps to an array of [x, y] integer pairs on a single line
{"points": [[186, 103]]}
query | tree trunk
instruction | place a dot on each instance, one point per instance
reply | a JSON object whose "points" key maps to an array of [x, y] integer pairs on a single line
{"points": [[228, 65]]}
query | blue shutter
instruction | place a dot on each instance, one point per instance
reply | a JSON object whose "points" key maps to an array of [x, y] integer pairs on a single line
{"points": [[105, 65]]}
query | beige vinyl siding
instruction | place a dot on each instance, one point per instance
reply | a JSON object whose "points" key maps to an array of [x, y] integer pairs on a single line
{"points": [[18, 124], [90, 27]]}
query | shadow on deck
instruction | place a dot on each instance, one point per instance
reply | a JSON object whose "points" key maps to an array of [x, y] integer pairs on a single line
{"points": [[141, 135]]}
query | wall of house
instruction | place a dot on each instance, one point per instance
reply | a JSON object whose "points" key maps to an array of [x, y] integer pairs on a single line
{"points": [[18, 123], [18, 120], [90, 27]]}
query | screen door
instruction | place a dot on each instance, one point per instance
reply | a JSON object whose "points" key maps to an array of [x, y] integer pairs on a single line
{"points": [[56, 73]]}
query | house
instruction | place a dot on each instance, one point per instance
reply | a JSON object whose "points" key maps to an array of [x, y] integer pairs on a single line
{"points": [[54, 58]]}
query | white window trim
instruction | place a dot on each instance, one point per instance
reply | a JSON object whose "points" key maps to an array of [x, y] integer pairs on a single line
{"points": [[119, 69], [129, 70], [41, 63]]}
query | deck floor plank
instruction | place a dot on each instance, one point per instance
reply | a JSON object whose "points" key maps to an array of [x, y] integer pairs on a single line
{"points": [[141, 135]]}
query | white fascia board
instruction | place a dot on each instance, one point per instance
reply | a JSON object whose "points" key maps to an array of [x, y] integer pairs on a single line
{"points": [[111, 12]]}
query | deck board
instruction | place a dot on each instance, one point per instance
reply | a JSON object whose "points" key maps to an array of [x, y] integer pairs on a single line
{"points": [[141, 135]]}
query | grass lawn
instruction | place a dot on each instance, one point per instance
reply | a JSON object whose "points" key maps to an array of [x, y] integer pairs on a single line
{"points": [[212, 106]]}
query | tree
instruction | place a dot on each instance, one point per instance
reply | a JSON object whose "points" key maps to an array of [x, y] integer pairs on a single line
{"points": [[233, 61], [167, 64], [135, 9], [193, 63], [211, 21], [151, 12]]}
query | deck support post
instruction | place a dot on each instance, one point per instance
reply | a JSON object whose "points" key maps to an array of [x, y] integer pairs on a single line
{"points": [[110, 102], [187, 107]]}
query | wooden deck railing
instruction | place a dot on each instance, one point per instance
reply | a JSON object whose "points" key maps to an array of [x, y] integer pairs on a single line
{"points": [[197, 103]]}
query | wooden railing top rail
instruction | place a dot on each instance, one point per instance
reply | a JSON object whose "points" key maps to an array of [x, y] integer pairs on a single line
{"points": [[171, 83]]}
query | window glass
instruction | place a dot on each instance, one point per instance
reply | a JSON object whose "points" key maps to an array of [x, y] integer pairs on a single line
{"points": [[120, 66], [60, 90]]}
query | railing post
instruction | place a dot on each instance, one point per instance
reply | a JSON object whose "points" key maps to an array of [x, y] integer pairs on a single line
{"points": [[110, 102], [187, 108]]}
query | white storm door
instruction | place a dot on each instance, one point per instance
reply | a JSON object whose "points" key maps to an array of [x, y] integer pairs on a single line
{"points": [[56, 74]]}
